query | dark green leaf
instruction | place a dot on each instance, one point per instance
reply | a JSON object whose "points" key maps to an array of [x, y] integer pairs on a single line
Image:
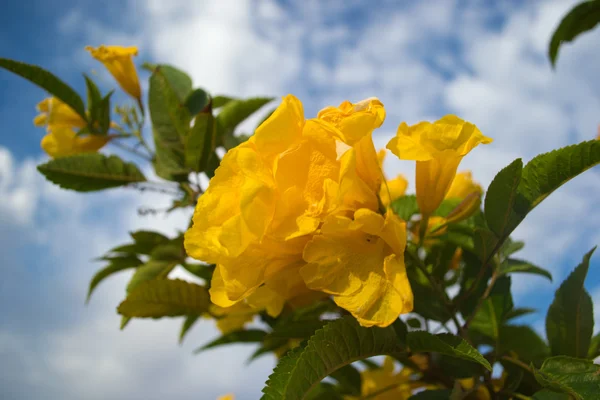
{"points": [[197, 101], [297, 329], [594, 347], [200, 142], [169, 88], [524, 341], [188, 322], [445, 343], [202, 271], [550, 395], [165, 298], [485, 243], [46, 81], [324, 391], [519, 312], [582, 18], [472, 288], [116, 264], [168, 252], [349, 380], [513, 265], [491, 315], [236, 111], [90, 172], [510, 247], [405, 207], [414, 323], [575, 377], [241, 336], [94, 97], [151, 270], [103, 112], [339, 343], [146, 241], [570, 318], [500, 198], [213, 163]]}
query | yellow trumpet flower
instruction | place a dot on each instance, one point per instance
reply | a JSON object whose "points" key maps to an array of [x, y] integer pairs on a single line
{"points": [[118, 61]]}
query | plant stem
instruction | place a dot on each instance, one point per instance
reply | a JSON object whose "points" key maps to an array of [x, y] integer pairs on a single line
{"points": [[485, 295], [131, 150]]}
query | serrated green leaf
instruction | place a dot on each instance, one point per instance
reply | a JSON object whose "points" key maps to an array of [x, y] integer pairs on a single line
{"points": [[348, 379], [188, 322], [570, 318], [165, 298], [445, 343], [116, 264], [200, 142], [405, 207], [90, 172], [492, 314], [582, 18], [171, 119], [47, 81], [151, 270], [240, 336], [500, 198], [575, 377], [197, 101], [513, 265], [339, 343]]}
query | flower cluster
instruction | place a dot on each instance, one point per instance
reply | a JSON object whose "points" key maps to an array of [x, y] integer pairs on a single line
{"points": [[301, 209], [65, 128]]}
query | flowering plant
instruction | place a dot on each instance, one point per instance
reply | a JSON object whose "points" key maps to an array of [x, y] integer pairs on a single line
{"points": [[300, 244]]}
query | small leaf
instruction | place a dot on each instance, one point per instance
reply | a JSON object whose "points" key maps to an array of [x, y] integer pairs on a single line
{"points": [[200, 142], [500, 198], [90, 172], [575, 377], [220, 101], [165, 298], [570, 318], [241, 336], [46, 81], [405, 207], [513, 265], [189, 321], [197, 101], [492, 314], [445, 343], [519, 312], [149, 271], [339, 343], [236, 111], [414, 323], [582, 18], [116, 264], [94, 98], [510, 247]]}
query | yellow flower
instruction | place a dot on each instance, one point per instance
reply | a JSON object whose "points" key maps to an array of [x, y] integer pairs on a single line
{"points": [[464, 188], [118, 61], [399, 385], [272, 193], [227, 397], [390, 189], [438, 149], [55, 113], [361, 263], [62, 141]]}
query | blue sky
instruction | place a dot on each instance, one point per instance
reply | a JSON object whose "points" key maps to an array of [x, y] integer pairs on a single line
{"points": [[484, 61]]}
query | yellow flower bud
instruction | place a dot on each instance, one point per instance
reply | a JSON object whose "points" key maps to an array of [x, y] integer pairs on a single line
{"points": [[438, 149], [61, 142], [118, 61]]}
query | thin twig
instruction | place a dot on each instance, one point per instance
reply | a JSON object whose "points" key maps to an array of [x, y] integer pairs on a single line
{"points": [[130, 150]]}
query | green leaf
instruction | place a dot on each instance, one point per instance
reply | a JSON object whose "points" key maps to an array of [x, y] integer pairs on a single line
{"points": [[151, 270], [117, 264], [510, 247], [414, 323], [169, 88], [212, 164], [146, 241], [405, 207], [582, 18], [441, 394], [165, 298], [297, 329], [575, 377], [94, 97], [513, 265], [594, 350], [202, 271], [349, 380], [46, 81], [197, 101], [570, 318], [492, 314], [104, 113], [168, 252], [220, 101], [240, 336], [90, 172], [519, 312], [469, 293], [550, 395], [236, 111], [189, 321], [524, 341], [200, 141], [500, 198], [339, 343], [485, 243], [445, 343], [324, 391]]}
